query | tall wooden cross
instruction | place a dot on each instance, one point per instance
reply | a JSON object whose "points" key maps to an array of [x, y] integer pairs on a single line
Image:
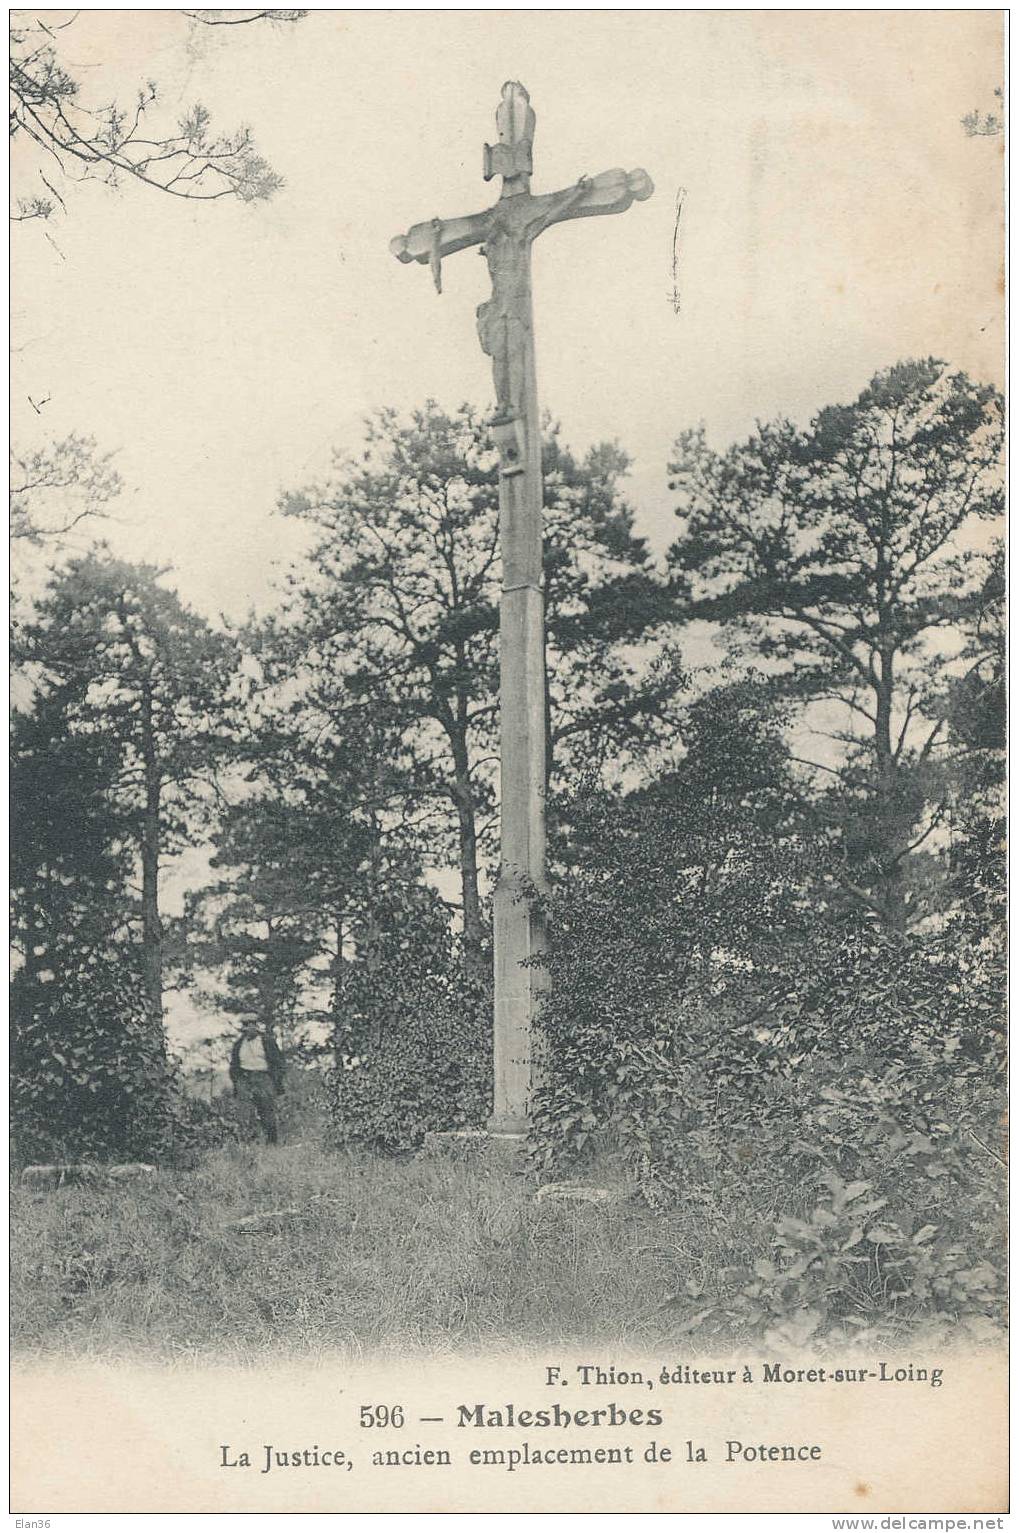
{"points": [[505, 328]]}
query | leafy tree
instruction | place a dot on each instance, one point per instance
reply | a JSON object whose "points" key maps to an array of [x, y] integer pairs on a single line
{"points": [[78, 142], [401, 611], [58, 493], [264, 960], [150, 678], [842, 554], [323, 923], [711, 856], [977, 723], [310, 852], [70, 862], [744, 1035], [54, 489], [87, 1077], [276, 912]]}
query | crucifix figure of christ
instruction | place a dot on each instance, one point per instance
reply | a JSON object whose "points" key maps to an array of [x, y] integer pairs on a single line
{"points": [[505, 234]]}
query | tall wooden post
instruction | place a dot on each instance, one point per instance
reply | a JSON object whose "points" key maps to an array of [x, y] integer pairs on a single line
{"points": [[519, 926], [506, 331]]}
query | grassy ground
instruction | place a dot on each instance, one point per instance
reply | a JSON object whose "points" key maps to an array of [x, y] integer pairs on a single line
{"points": [[436, 1255], [386, 1257]]}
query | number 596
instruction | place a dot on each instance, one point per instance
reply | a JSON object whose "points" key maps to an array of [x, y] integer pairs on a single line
{"points": [[382, 1416]]}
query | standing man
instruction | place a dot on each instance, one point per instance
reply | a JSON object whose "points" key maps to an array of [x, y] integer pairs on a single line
{"points": [[257, 1070]]}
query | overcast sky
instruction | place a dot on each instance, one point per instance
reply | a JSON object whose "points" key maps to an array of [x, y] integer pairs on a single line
{"points": [[836, 218]]}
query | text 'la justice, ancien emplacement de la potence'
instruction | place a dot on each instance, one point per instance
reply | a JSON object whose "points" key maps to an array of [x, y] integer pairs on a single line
{"points": [[592, 1425]]}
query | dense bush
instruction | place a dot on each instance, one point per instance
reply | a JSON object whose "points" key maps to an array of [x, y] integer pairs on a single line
{"points": [[88, 1079], [733, 1036], [411, 1044], [432, 1070], [674, 909], [199, 1126]]}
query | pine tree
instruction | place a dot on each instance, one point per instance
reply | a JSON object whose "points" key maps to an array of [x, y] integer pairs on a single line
{"points": [[141, 673], [397, 611], [843, 555]]}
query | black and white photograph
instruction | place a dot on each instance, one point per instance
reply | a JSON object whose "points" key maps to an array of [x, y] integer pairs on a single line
{"points": [[507, 826]]}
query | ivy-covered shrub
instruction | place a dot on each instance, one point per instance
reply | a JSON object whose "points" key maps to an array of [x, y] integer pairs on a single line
{"points": [[671, 907], [735, 1038], [198, 1125], [414, 1051], [88, 1079], [429, 1069]]}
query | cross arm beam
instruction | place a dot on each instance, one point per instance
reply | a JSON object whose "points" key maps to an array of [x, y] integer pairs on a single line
{"points": [[442, 236], [611, 192]]}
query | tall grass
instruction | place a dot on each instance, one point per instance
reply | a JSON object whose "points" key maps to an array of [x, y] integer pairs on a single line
{"points": [[383, 1256], [437, 1255]]}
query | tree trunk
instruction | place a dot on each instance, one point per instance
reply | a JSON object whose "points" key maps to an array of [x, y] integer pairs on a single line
{"points": [[336, 1004], [266, 981], [373, 933], [549, 745], [889, 825], [152, 928]]}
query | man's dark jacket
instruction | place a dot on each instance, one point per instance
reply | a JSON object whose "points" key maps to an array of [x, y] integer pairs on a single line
{"points": [[273, 1058]]}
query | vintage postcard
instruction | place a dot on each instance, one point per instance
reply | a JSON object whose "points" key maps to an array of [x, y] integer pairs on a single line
{"points": [[507, 761]]}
